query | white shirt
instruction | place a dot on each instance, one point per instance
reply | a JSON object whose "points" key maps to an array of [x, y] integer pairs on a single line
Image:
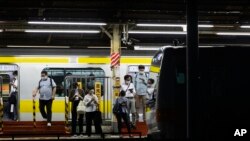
{"points": [[91, 107], [15, 82], [150, 92], [128, 88]]}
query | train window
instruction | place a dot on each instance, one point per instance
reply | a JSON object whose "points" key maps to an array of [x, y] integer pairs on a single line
{"points": [[58, 74]]}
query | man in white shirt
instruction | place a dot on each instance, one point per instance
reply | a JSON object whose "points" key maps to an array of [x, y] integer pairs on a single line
{"points": [[129, 88]]}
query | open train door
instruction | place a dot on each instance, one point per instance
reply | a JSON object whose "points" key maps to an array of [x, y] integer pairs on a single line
{"points": [[6, 74]]}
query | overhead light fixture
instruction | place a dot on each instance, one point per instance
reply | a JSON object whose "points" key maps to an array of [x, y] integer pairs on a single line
{"points": [[234, 33], [173, 25], [245, 26], [184, 26], [146, 48], [156, 32], [67, 23], [60, 31], [35, 46], [96, 47], [1, 30]]}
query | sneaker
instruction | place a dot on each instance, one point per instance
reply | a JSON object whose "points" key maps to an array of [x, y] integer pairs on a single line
{"points": [[81, 135], [74, 136], [49, 124]]}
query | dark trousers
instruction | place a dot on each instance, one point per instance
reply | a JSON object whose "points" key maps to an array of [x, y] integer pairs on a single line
{"points": [[48, 104], [74, 118], [13, 101], [125, 118], [90, 116]]}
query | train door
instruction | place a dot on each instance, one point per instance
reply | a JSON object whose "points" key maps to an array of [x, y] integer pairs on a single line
{"points": [[10, 111]]}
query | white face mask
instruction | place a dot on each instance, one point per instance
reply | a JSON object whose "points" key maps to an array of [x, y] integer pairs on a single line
{"points": [[149, 85], [141, 72], [44, 78], [127, 82]]}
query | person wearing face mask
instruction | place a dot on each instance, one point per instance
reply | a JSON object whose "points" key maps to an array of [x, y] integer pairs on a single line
{"points": [[140, 82], [13, 97], [150, 89], [75, 96], [129, 88], [91, 102], [47, 90]]}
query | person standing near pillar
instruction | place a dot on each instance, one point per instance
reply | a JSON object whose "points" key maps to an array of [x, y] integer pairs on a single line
{"points": [[129, 89], [140, 82]]}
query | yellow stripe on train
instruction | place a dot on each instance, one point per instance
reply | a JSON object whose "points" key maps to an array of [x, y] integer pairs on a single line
{"points": [[58, 106], [106, 60], [155, 69], [34, 60]]}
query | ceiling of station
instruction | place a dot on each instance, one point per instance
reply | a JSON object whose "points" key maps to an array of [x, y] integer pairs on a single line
{"points": [[221, 22]]}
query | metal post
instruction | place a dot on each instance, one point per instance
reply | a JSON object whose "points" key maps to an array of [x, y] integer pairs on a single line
{"points": [[1, 104], [192, 53], [66, 106], [115, 48], [34, 111]]}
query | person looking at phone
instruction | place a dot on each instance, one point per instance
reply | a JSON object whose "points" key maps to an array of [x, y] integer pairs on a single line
{"points": [[129, 88], [140, 82]]}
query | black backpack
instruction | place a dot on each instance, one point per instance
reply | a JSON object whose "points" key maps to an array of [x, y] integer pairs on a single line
{"points": [[117, 108]]}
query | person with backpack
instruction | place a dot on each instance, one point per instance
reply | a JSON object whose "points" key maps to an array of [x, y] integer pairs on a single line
{"points": [[121, 111], [140, 82], [47, 90], [129, 89], [76, 95]]}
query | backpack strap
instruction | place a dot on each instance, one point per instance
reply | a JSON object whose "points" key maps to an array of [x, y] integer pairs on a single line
{"points": [[39, 86]]}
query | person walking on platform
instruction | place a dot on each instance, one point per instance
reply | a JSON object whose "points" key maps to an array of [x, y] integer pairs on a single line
{"points": [[75, 96], [121, 104], [140, 82], [129, 89], [47, 90], [91, 103]]}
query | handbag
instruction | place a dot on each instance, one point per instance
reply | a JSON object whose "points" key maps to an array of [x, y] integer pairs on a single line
{"points": [[81, 107]]}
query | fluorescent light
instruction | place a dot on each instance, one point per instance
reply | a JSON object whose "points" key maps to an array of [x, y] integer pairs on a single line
{"points": [[162, 25], [66, 23], [234, 33], [23, 46], [96, 47], [1, 30], [156, 32], [206, 25], [173, 25], [60, 31], [245, 26], [146, 48]]}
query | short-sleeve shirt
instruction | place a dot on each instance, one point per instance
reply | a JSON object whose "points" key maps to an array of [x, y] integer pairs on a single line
{"points": [[45, 89], [129, 89]]}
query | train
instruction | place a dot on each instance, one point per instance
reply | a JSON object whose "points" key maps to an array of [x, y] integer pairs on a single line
{"points": [[29, 68], [221, 104]]}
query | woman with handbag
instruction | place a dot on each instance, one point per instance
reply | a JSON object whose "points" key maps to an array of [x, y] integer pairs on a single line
{"points": [[76, 96], [91, 103]]}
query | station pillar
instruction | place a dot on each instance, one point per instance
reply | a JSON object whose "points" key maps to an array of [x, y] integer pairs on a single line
{"points": [[115, 67]]}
